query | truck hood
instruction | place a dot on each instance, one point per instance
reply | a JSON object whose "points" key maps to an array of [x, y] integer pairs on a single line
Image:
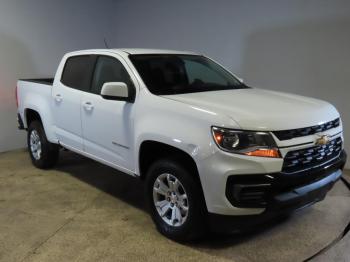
{"points": [[258, 109]]}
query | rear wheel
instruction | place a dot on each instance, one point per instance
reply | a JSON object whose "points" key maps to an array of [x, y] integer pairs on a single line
{"points": [[175, 200], [43, 153]]}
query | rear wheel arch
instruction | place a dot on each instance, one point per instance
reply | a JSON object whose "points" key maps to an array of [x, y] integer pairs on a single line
{"points": [[31, 115]]}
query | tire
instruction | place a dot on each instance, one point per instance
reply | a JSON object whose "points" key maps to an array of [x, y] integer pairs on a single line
{"points": [[44, 154], [192, 224]]}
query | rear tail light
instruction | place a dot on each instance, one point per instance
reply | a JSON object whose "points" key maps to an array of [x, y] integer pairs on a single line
{"points": [[16, 94]]}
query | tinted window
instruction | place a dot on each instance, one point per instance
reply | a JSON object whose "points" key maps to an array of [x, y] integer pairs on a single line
{"points": [[108, 69], [78, 71], [196, 70], [166, 74]]}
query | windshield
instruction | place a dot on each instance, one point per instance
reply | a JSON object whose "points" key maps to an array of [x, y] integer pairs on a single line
{"points": [[168, 74]]}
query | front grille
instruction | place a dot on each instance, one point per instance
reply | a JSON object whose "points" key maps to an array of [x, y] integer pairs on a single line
{"points": [[310, 157], [306, 131]]}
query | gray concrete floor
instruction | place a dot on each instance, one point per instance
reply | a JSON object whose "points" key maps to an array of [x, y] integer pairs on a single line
{"points": [[84, 211]]}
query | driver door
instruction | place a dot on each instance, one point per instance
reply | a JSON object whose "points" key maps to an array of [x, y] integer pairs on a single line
{"points": [[107, 124]]}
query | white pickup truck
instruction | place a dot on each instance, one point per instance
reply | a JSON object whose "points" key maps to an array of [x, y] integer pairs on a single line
{"points": [[213, 152]]}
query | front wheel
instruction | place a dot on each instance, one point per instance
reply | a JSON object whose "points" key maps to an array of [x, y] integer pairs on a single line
{"points": [[43, 153], [175, 200]]}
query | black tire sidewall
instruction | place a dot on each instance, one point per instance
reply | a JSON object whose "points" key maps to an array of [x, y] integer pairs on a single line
{"points": [[194, 224], [49, 152]]}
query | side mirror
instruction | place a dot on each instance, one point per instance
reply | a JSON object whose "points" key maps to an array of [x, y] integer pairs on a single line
{"points": [[116, 91]]}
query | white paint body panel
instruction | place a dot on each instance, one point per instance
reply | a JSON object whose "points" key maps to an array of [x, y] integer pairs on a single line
{"points": [[112, 131], [107, 129], [115, 89], [258, 109], [67, 117]]}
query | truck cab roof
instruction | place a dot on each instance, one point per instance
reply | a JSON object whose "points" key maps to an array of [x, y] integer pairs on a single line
{"points": [[143, 51], [131, 51]]}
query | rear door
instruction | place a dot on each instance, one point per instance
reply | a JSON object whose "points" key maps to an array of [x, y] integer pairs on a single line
{"points": [[108, 124], [67, 93]]}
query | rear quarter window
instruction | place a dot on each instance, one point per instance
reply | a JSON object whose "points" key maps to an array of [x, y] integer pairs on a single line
{"points": [[77, 72]]}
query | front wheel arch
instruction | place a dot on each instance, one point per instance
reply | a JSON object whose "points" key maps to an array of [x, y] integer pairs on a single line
{"points": [[150, 151]]}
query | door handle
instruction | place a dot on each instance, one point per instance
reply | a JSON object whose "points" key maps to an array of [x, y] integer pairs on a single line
{"points": [[58, 97], [88, 106]]}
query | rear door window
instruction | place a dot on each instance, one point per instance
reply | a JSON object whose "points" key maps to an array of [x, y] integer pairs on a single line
{"points": [[77, 72]]}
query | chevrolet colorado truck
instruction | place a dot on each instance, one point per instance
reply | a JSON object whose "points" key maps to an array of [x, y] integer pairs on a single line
{"points": [[214, 153]]}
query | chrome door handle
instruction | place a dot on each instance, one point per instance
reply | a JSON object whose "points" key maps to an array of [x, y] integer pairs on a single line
{"points": [[88, 106], [58, 97]]}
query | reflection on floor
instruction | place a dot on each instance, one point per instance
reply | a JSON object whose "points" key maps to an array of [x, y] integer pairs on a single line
{"points": [[84, 211]]}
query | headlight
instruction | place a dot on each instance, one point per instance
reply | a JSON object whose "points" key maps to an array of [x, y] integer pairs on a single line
{"points": [[245, 142]]}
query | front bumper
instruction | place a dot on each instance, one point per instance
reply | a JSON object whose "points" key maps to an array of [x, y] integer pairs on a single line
{"points": [[277, 193], [264, 191]]}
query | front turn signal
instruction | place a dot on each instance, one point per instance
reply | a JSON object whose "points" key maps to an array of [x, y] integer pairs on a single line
{"points": [[264, 153]]}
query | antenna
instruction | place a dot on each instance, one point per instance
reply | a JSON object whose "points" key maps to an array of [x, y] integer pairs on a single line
{"points": [[106, 45]]}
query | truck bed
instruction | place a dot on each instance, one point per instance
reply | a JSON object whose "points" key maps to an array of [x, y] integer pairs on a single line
{"points": [[45, 81], [35, 94]]}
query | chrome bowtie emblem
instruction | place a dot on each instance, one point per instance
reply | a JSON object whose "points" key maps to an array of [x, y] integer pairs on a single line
{"points": [[323, 140]]}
